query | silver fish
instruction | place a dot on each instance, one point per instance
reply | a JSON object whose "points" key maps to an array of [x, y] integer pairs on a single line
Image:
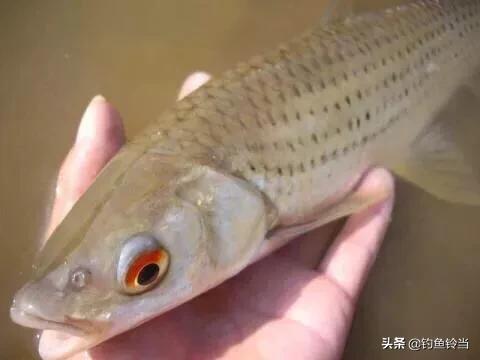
{"points": [[269, 150]]}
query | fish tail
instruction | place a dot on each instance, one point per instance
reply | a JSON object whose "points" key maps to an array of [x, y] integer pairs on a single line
{"points": [[444, 157]]}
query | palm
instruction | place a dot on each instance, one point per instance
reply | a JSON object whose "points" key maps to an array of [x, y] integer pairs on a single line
{"points": [[285, 306]]}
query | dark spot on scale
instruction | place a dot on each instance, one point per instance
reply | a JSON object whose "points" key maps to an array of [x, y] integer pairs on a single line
{"points": [[271, 119], [296, 91], [290, 169], [350, 124]]}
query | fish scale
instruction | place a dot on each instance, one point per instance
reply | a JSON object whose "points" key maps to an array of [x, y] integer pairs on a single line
{"points": [[323, 105]]}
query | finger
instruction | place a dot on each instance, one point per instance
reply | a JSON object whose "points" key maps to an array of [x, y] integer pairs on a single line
{"points": [[192, 83], [353, 252], [52, 343], [308, 249], [100, 135]]}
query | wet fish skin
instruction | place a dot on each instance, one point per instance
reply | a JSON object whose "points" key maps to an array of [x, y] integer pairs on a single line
{"points": [[328, 105], [272, 144]]}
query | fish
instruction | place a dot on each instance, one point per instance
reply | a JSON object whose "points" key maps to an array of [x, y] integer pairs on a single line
{"points": [[263, 153]]}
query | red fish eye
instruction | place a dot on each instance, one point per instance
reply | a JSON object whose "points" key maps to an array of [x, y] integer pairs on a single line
{"points": [[146, 269]]}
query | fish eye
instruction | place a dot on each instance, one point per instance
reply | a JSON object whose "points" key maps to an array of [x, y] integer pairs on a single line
{"points": [[142, 264]]}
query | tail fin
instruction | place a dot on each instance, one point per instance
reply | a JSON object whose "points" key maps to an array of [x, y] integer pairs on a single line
{"points": [[444, 159]]}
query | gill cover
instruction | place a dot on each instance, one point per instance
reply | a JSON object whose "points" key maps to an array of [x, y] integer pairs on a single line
{"points": [[235, 212]]}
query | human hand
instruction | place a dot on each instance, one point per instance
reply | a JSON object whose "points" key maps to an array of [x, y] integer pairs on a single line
{"points": [[285, 306]]}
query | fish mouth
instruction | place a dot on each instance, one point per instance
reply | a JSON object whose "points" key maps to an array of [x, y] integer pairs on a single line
{"points": [[59, 339], [69, 325]]}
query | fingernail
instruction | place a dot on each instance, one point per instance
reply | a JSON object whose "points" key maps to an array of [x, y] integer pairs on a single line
{"points": [[193, 82], [98, 97], [86, 129]]}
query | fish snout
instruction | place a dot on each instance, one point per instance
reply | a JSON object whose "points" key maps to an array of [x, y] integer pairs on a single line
{"points": [[43, 307]]}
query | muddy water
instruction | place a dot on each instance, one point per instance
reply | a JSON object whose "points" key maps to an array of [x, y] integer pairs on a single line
{"points": [[56, 55]]}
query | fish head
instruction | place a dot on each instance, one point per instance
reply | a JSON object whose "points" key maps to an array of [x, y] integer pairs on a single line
{"points": [[147, 236]]}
